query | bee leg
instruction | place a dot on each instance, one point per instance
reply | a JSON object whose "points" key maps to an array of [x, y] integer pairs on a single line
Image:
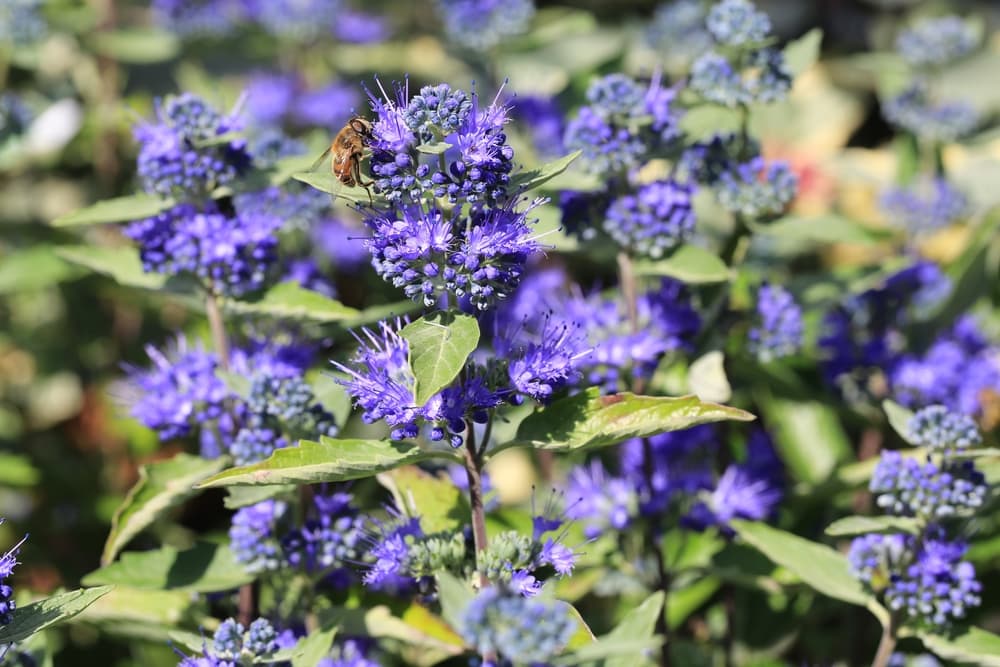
{"points": [[356, 169]]}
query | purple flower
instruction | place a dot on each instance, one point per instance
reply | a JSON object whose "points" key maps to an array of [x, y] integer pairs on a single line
{"points": [[481, 25], [307, 274], [8, 561], [677, 31], [390, 552], [179, 392], [546, 363], [943, 431], [544, 122], [760, 77], [924, 206], [681, 465], [329, 540], [342, 242], [179, 153], [231, 256], [361, 27], [194, 18], [914, 111], [522, 630], [270, 97], [600, 501], [757, 189], [654, 220], [936, 41], [254, 536], [938, 587], [739, 494], [329, 107], [777, 330], [299, 20], [905, 487], [737, 23]]}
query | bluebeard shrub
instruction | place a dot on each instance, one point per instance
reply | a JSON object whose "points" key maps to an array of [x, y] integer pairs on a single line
{"points": [[924, 206], [481, 25], [937, 41], [500, 622]]}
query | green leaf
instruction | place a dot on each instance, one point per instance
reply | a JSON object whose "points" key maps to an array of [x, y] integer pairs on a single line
{"points": [[121, 264], [326, 182], [705, 121], [435, 148], [120, 209], [802, 53], [37, 616], [861, 525], [638, 625], [899, 418], [243, 496], [439, 344], [533, 178], [969, 646], [817, 565], [292, 301], [808, 435], [689, 264], [140, 614], [139, 46], [603, 649], [17, 470], [974, 272], [590, 420], [311, 650], [428, 637], [830, 228], [162, 485], [434, 498], [329, 460], [34, 268], [204, 568], [454, 596]]}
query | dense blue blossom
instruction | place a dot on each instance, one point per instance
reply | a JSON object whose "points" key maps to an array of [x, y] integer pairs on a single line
{"points": [[677, 30], [914, 111], [600, 501], [737, 23], [681, 467], [757, 189], [936, 41], [253, 536], [958, 370], [232, 645], [293, 205], [180, 155], [924, 206], [943, 431], [938, 587], [231, 255], [606, 148], [329, 539], [482, 24], [706, 161], [862, 335], [874, 558], [476, 160], [778, 329], [21, 22], [255, 444], [179, 391], [500, 622], [654, 220], [764, 78], [478, 256], [547, 361], [341, 242], [389, 549], [544, 122], [270, 97], [329, 106], [905, 487], [8, 561]]}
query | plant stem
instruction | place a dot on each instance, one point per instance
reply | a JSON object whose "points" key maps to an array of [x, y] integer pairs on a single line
{"points": [[246, 602], [887, 645], [474, 472], [630, 290]]}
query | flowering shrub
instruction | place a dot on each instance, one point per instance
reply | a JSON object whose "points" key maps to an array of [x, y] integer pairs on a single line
{"points": [[595, 339]]}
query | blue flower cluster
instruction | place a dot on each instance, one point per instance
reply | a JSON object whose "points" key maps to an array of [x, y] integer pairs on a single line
{"points": [[914, 111], [622, 123], [275, 99], [741, 70], [8, 561], [654, 220], [230, 255], [351, 653], [543, 120], [926, 580], [924, 206], [440, 143], [481, 25], [502, 623], [863, 338], [777, 331], [328, 541], [905, 487], [188, 152], [181, 394], [922, 575], [960, 369], [233, 645], [757, 189], [937, 41]]}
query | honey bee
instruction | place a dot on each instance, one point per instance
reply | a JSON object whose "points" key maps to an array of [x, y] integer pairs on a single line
{"points": [[348, 149]]}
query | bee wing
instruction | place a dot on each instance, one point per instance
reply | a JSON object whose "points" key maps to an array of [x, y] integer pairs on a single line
{"points": [[320, 159]]}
